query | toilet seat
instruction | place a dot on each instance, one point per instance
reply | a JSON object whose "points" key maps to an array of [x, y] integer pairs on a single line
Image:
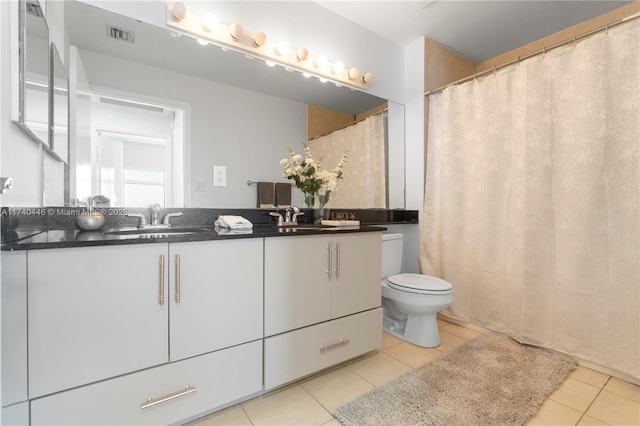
{"points": [[417, 283]]}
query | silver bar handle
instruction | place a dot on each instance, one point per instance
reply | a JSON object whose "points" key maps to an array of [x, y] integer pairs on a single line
{"points": [[161, 289], [337, 260], [329, 271], [342, 342], [151, 402], [177, 278]]}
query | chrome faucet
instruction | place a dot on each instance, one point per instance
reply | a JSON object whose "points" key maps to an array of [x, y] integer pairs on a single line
{"points": [[155, 214], [290, 216], [155, 218]]}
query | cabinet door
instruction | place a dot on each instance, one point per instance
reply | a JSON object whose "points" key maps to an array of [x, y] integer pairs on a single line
{"points": [[297, 288], [355, 284], [220, 295], [94, 313], [14, 327]]}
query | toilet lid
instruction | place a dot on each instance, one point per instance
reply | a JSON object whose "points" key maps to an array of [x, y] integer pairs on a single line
{"points": [[419, 282]]}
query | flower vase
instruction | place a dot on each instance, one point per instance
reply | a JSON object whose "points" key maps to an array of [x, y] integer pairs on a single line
{"points": [[309, 200], [318, 210]]}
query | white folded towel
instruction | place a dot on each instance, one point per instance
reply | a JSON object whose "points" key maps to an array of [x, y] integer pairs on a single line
{"points": [[233, 222], [227, 231]]}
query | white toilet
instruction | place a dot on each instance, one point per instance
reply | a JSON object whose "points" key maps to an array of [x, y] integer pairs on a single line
{"points": [[410, 302]]}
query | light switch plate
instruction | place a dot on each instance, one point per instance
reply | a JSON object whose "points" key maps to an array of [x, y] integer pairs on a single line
{"points": [[219, 176]]}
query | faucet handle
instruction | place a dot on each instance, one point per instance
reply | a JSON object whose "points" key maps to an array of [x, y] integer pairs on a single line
{"points": [[278, 215], [143, 219], [295, 216], [167, 218]]}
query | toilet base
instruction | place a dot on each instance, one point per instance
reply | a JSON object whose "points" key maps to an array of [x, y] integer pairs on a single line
{"points": [[421, 330]]}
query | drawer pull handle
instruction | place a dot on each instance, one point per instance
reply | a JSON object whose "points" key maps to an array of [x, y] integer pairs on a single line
{"points": [[177, 278], [151, 402], [342, 342], [329, 271], [337, 271], [161, 289]]}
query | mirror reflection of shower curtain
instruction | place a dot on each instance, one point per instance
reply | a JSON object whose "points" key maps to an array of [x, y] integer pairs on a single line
{"points": [[363, 183]]}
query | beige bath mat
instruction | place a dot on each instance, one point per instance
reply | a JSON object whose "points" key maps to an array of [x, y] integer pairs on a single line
{"points": [[490, 380]]}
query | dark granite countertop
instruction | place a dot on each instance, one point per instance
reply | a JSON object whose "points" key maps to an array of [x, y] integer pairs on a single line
{"points": [[77, 238], [55, 227]]}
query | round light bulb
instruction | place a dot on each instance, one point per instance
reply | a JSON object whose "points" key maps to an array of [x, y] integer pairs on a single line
{"points": [[270, 63], [282, 48], [321, 61], [259, 39], [179, 11], [209, 22], [354, 73], [322, 79], [306, 74], [202, 42], [302, 54], [337, 67], [236, 31], [367, 78]]}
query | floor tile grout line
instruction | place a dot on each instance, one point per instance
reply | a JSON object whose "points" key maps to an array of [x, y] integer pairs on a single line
{"points": [[316, 400], [594, 400], [247, 414]]}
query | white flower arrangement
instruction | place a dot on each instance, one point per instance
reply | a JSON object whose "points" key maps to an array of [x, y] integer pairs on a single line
{"points": [[309, 177]]}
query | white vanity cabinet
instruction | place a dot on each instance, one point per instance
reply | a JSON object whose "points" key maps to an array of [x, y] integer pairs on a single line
{"points": [[215, 294], [322, 302], [310, 279], [95, 313], [14, 333]]}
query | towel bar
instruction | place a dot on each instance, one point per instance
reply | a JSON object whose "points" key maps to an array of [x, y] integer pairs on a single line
{"points": [[254, 182]]}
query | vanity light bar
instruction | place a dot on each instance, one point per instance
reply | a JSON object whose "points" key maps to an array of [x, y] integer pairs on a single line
{"points": [[235, 38]]}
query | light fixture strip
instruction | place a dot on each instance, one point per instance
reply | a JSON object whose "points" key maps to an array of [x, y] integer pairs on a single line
{"points": [[221, 36]]}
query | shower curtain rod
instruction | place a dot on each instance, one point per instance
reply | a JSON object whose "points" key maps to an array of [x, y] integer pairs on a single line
{"points": [[542, 51], [350, 124]]}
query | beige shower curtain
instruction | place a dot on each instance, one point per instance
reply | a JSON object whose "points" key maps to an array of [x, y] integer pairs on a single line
{"points": [[531, 201], [364, 182]]}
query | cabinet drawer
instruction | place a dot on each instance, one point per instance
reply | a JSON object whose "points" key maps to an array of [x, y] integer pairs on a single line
{"points": [[298, 353], [219, 377]]}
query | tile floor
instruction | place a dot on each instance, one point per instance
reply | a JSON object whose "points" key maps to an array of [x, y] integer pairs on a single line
{"points": [[587, 397]]}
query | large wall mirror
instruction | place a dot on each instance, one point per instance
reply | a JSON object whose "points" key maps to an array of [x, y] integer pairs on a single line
{"points": [[208, 108], [32, 111]]}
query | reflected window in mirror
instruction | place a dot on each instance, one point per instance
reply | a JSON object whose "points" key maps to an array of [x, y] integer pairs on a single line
{"points": [[130, 156]]}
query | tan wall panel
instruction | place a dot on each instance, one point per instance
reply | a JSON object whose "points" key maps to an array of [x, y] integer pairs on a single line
{"points": [[321, 121], [372, 111], [442, 66]]}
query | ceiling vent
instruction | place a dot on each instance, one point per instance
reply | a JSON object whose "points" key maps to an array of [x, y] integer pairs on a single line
{"points": [[120, 34]]}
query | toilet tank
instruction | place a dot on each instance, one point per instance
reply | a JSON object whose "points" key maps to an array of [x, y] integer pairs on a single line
{"points": [[391, 254]]}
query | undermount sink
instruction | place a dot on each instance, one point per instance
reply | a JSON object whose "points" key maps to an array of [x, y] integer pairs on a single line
{"points": [[155, 232]]}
